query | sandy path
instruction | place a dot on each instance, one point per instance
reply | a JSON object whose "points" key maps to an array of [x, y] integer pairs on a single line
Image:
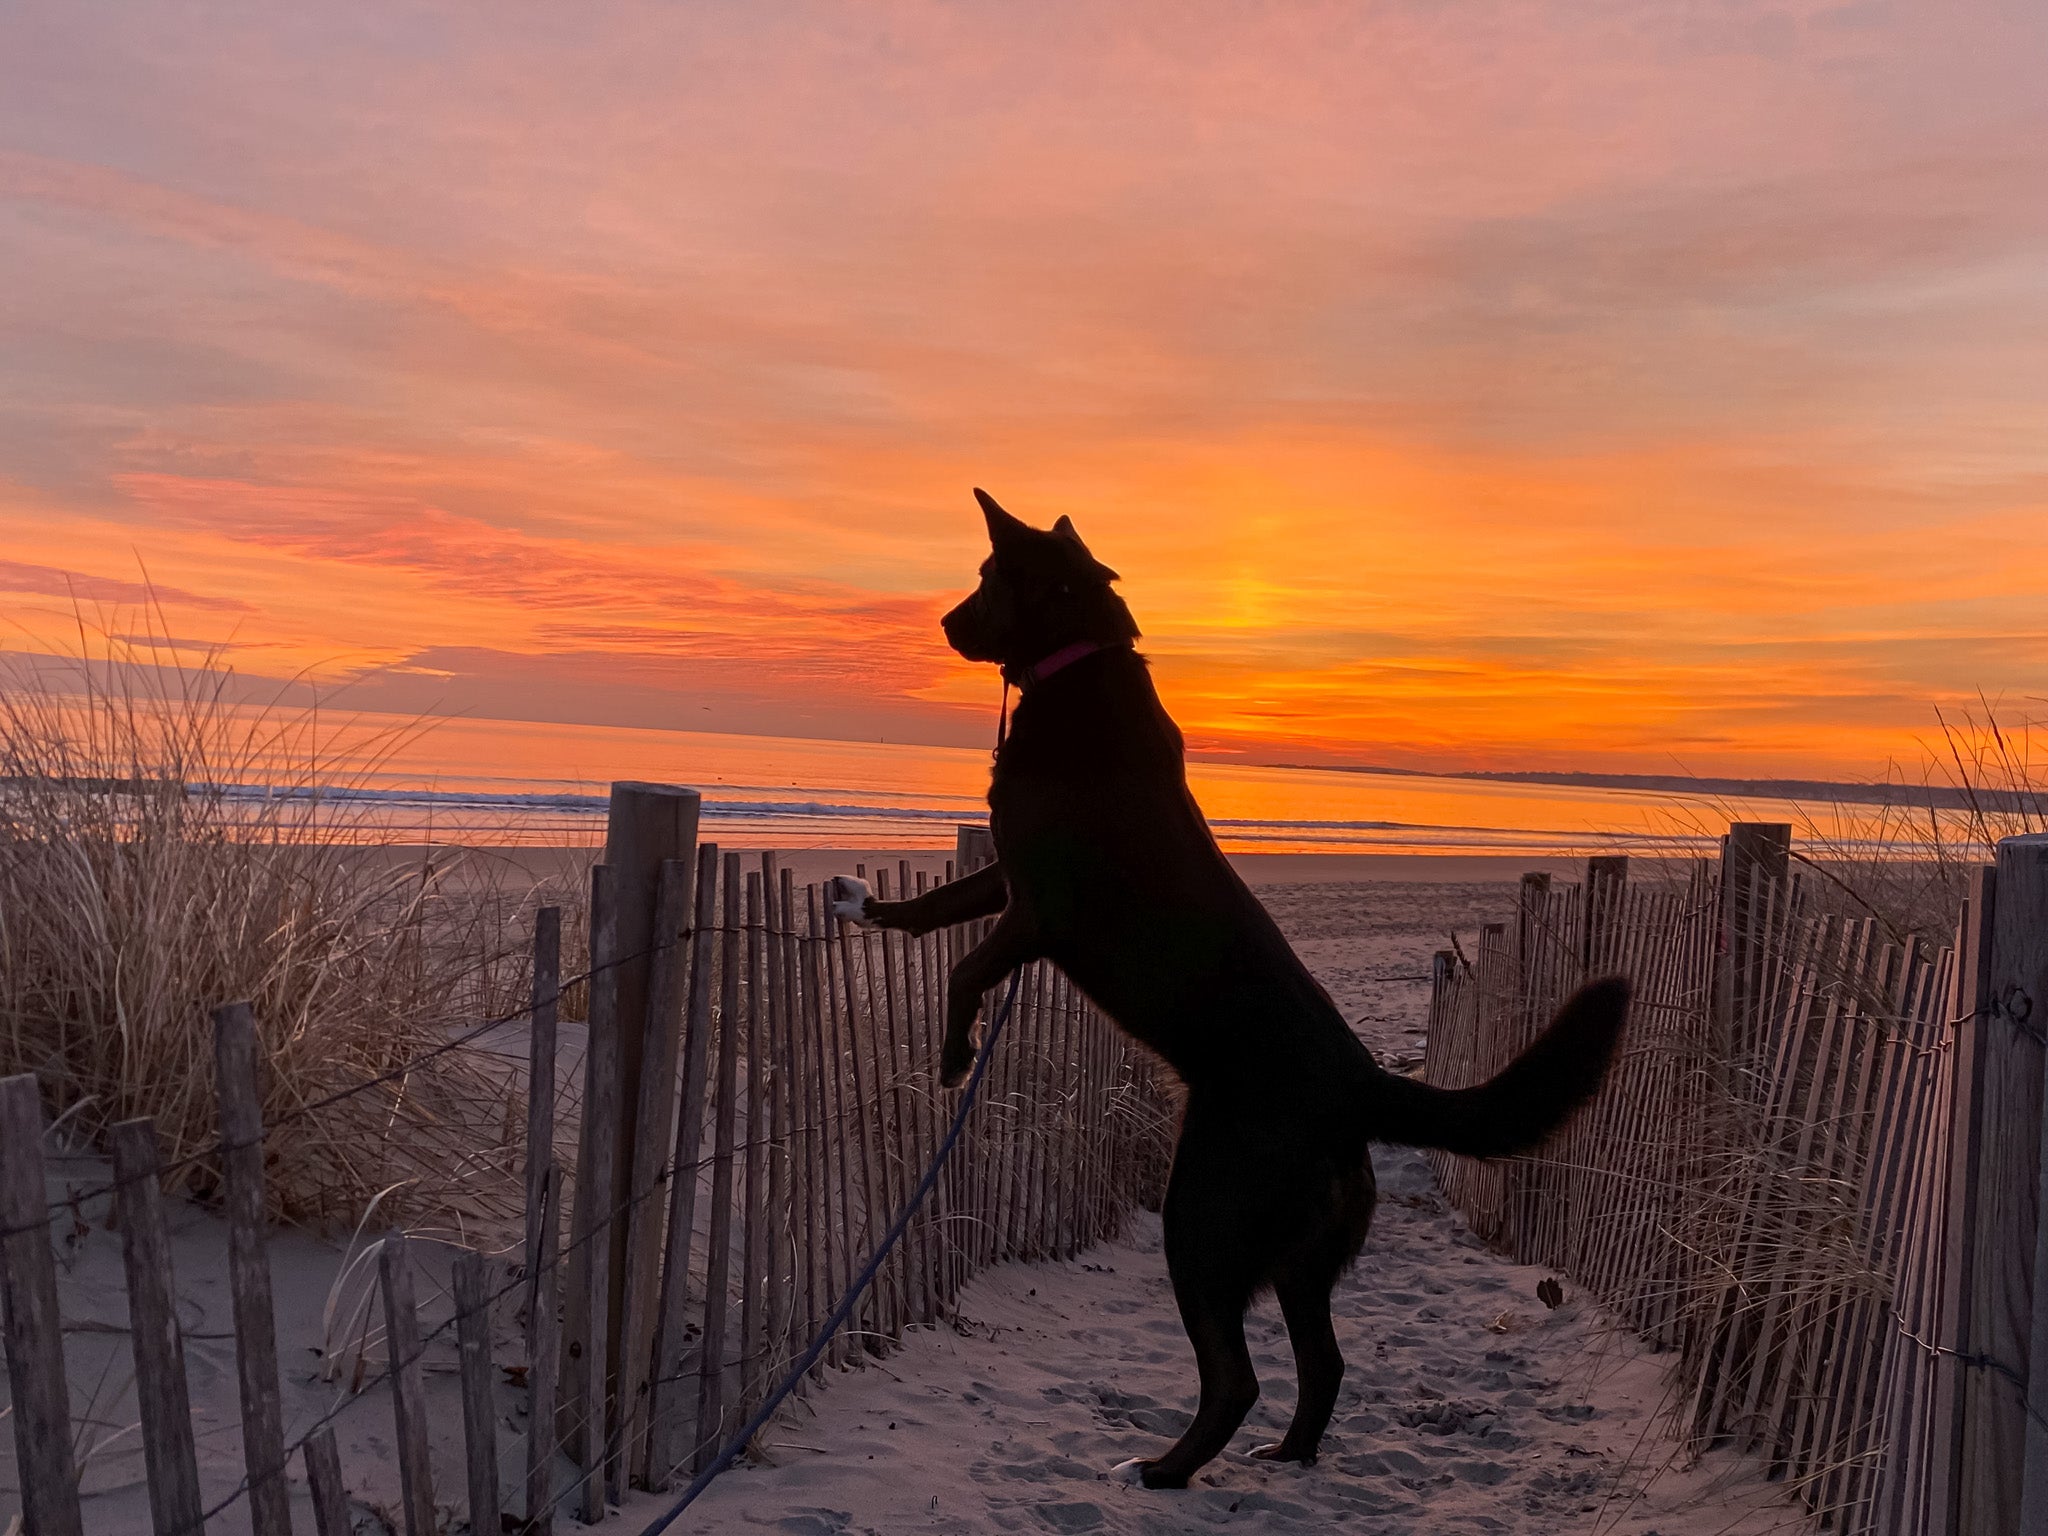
{"points": [[1468, 1405]]}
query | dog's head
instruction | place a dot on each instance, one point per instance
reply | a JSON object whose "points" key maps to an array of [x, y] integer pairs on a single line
{"points": [[1040, 591]]}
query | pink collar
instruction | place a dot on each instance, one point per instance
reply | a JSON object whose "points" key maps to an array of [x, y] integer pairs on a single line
{"points": [[1038, 672], [1065, 656]]}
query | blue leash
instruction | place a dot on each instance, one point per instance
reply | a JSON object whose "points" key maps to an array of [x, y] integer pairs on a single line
{"points": [[861, 1281]]}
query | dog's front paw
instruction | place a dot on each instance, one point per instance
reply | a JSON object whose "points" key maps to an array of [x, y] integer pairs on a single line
{"points": [[1132, 1471], [850, 898]]}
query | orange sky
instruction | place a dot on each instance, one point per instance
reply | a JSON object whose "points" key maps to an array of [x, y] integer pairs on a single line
{"points": [[1623, 386]]}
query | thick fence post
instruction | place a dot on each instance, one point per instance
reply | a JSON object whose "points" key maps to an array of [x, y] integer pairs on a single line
{"points": [[2004, 1482], [1952, 1387], [1606, 886], [647, 824], [638, 1378], [1532, 933], [1754, 855], [1956, 1265], [1988, 1460], [160, 1397], [973, 847], [28, 1315], [241, 1134]]}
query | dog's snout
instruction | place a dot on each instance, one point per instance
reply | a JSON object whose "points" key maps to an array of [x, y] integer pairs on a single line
{"points": [[958, 625]]}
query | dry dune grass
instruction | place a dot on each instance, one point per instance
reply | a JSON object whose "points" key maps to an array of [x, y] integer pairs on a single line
{"points": [[1907, 865], [142, 884]]}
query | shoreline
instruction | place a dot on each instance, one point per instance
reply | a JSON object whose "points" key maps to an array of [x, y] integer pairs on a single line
{"points": [[1258, 869]]}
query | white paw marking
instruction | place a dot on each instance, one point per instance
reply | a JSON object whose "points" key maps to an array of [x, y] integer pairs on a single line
{"points": [[1132, 1471], [850, 898]]}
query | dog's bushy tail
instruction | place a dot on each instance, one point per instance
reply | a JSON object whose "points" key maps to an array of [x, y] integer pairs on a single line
{"points": [[1528, 1099]]}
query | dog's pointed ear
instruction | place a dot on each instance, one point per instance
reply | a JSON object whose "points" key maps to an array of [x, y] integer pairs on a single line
{"points": [[1001, 526], [1065, 529]]}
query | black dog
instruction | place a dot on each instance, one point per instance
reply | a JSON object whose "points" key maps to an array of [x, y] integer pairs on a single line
{"points": [[1105, 866]]}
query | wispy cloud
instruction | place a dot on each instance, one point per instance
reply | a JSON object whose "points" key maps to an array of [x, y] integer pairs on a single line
{"points": [[49, 581]]}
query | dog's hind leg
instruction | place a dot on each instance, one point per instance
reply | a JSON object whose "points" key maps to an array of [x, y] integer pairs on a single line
{"points": [[1302, 1286], [1214, 1318], [1304, 1296], [1216, 1234]]}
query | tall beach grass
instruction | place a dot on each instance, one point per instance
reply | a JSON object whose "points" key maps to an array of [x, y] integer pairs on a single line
{"points": [[165, 847]]}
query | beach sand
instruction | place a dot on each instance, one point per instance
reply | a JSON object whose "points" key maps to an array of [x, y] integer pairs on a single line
{"points": [[1469, 1405]]}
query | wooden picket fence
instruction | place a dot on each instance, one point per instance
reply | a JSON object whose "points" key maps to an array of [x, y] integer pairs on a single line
{"points": [[758, 1102], [1815, 1173]]}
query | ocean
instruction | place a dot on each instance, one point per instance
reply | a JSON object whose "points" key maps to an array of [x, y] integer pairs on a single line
{"points": [[466, 779]]}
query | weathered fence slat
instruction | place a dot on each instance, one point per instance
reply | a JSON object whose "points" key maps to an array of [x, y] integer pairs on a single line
{"points": [[584, 1409], [408, 1386], [753, 1228], [544, 1344], [1906, 1393], [543, 1013], [479, 1413], [871, 1096], [33, 1328], [712, 1352], [1857, 1426], [779, 1300], [169, 1457], [911, 1106], [881, 1058], [806, 1124], [543, 1223], [834, 1186], [241, 1134], [324, 1484], [866, 1133]]}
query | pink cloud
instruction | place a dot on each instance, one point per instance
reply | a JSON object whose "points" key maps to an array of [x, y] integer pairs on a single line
{"points": [[50, 581]]}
